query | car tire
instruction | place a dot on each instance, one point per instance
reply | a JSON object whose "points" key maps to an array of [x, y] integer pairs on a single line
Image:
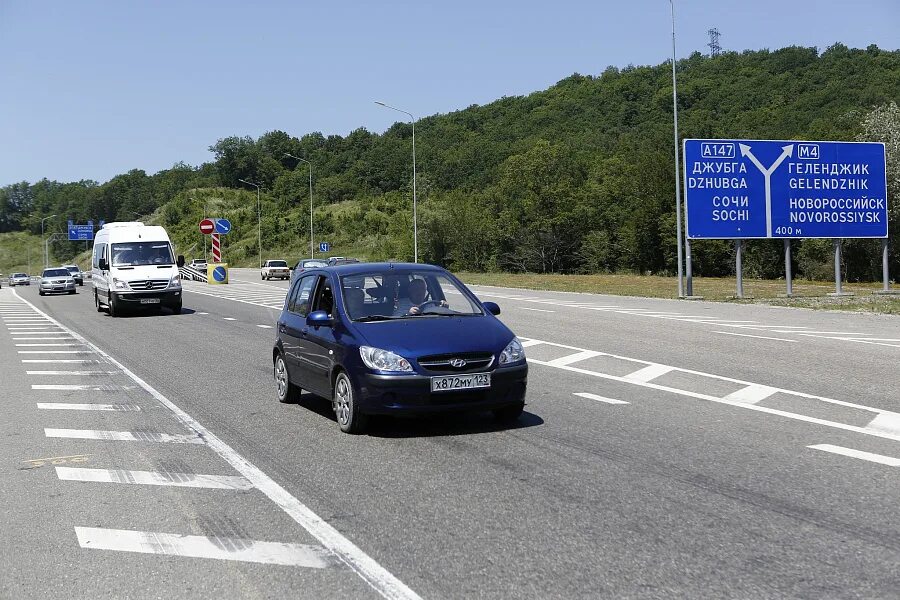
{"points": [[176, 309], [287, 392], [71, 291], [40, 292], [346, 405], [509, 414], [261, 276], [97, 304], [80, 283], [112, 306]]}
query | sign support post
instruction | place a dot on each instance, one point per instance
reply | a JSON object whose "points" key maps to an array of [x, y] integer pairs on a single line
{"points": [[838, 289], [689, 273], [787, 268], [739, 267], [885, 274]]}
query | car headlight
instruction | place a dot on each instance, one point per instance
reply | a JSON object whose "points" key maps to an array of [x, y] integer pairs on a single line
{"points": [[119, 284], [175, 282], [513, 353], [383, 360]]}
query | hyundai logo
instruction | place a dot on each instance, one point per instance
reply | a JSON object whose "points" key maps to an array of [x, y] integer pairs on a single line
{"points": [[457, 363]]}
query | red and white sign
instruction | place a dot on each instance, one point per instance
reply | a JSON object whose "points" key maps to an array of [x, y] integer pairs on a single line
{"points": [[207, 226], [216, 248]]}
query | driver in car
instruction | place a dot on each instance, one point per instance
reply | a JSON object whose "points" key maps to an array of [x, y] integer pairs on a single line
{"points": [[416, 293]]}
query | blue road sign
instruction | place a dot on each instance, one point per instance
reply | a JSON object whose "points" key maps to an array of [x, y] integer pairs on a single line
{"points": [[81, 232], [220, 274], [324, 246], [223, 226], [743, 189]]}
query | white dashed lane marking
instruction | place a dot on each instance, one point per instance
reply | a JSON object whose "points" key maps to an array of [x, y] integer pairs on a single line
{"points": [[124, 436], [850, 452], [73, 406], [599, 398], [759, 337], [196, 546], [192, 480]]}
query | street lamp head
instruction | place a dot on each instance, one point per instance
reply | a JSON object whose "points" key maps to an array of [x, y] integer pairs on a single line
{"points": [[380, 103]]}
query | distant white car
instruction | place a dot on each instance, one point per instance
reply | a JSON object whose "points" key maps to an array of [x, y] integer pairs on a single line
{"points": [[19, 279], [275, 268], [77, 275], [198, 264]]}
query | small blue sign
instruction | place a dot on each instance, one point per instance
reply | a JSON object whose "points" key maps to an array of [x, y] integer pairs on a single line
{"points": [[81, 232], [744, 189], [223, 226], [219, 274], [324, 246]]}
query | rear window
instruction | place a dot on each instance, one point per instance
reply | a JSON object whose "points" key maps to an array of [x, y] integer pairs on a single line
{"points": [[313, 264], [278, 263]]}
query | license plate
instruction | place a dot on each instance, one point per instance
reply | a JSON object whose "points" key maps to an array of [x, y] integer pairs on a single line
{"points": [[448, 383], [149, 300]]}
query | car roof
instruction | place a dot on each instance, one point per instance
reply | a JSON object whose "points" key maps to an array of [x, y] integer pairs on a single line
{"points": [[363, 268]]}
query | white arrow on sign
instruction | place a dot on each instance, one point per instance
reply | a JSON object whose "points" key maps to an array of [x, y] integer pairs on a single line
{"points": [[786, 151]]}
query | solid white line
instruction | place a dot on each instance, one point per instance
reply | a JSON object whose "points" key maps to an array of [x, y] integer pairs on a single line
{"points": [[70, 372], [198, 546], [191, 480], [23, 339], [379, 578], [229, 319], [536, 309], [599, 398], [751, 394], [759, 337], [72, 406], [888, 422], [265, 326], [876, 458], [573, 358], [649, 373], [124, 436], [34, 345]]}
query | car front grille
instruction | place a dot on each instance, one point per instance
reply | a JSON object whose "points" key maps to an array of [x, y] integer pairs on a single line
{"points": [[149, 284], [471, 362]]}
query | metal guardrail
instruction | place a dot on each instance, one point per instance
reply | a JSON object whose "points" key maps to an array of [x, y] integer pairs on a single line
{"points": [[192, 274]]}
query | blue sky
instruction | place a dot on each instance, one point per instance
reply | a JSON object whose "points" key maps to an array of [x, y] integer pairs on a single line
{"points": [[90, 89]]}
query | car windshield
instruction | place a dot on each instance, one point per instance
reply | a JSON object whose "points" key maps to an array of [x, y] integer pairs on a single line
{"points": [[312, 264], [72, 269], [142, 253], [278, 263], [19, 275], [383, 295], [55, 273]]}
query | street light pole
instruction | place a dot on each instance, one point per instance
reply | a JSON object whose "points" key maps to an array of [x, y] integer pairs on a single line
{"points": [[312, 253], [677, 166], [258, 218], [46, 257], [415, 199]]}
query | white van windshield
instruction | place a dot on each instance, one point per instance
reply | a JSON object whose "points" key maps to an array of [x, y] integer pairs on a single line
{"points": [[142, 253]]}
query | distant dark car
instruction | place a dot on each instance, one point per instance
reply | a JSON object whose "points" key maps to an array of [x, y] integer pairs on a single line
{"points": [[307, 263], [19, 279], [340, 260], [379, 338], [77, 275]]}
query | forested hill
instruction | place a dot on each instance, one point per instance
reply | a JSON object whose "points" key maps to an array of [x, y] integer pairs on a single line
{"points": [[577, 178]]}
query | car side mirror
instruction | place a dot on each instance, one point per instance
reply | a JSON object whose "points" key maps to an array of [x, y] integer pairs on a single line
{"points": [[180, 260], [104, 266], [318, 318], [492, 307]]}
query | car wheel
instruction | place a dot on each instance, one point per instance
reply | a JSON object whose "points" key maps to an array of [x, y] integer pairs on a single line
{"points": [[97, 302], [176, 309], [40, 292], [287, 392], [71, 291], [261, 276], [510, 413], [113, 306], [80, 283], [346, 407]]}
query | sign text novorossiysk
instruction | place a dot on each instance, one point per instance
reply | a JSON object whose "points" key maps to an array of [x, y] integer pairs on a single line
{"points": [[745, 189]]}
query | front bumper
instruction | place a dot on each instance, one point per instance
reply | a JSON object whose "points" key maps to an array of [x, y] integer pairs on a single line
{"points": [[411, 394], [57, 287], [167, 298]]}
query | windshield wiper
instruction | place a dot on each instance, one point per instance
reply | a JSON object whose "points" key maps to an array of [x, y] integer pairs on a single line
{"points": [[374, 318]]}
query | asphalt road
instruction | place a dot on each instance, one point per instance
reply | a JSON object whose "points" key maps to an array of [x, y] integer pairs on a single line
{"points": [[716, 451]]}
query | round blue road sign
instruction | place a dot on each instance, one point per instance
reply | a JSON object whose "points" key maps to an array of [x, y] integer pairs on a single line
{"points": [[219, 274], [324, 246], [223, 226]]}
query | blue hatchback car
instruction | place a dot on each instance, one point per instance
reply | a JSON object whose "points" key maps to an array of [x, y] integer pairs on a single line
{"points": [[396, 338]]}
